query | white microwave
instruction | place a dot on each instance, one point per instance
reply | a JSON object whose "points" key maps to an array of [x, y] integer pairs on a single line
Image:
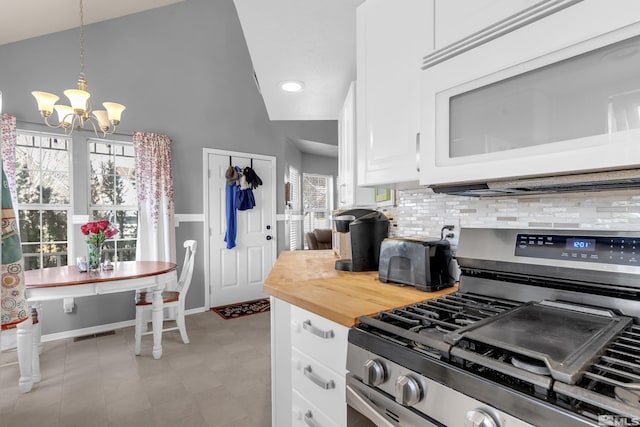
{"points": [[558, 96]]}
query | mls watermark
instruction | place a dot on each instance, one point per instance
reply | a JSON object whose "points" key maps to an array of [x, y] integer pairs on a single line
{"points": [[618, 421]]}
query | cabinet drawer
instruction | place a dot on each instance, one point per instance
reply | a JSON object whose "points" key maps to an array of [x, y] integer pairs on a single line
{"points": [[305, 414], [320, 385], [324, 340]]}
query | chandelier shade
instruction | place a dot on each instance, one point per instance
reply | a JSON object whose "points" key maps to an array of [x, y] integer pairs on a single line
{"points": [[65, 115], [45, 102], [78, 114]]}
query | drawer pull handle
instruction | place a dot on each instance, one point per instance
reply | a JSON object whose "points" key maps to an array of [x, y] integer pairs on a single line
{"points": [[325, 385], [316, 331], [308, 420]]}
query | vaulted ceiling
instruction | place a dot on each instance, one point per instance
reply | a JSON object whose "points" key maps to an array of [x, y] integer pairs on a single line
{"points": [[308, 40]]}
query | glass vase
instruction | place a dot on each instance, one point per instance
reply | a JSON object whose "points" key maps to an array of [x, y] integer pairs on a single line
{"points": [[95, 257]]}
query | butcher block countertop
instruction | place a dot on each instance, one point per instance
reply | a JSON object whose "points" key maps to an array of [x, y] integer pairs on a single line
{"points": [[308, 279]]}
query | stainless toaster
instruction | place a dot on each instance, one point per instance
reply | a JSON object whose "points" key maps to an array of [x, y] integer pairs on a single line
{"points": [[424, 264]]}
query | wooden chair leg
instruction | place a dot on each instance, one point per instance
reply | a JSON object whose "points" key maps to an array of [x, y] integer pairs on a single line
{"points": [[24, 337], [139, 330], [37, 345], [181, 324]]}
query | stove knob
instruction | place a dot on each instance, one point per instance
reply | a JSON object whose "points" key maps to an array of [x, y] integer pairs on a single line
{"points": [[408, 390], [374, 373], [479, 418]]}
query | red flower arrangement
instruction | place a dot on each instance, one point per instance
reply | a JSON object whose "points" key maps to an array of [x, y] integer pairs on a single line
{"points": [[98, 231]]}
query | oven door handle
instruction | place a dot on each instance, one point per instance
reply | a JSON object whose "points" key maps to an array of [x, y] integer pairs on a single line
{"points": [[363, 405]]}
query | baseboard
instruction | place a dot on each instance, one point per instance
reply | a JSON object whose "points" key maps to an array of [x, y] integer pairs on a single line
{"points": [[9, 341]]}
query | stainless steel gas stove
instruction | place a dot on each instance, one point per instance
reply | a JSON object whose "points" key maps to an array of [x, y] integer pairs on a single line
{"points": [[544, 330]]}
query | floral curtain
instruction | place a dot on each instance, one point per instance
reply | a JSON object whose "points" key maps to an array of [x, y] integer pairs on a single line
{"points": [[8, 123], [13, 305], [154, 182]]}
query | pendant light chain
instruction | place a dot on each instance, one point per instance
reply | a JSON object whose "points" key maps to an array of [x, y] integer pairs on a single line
{"points": [[81, 41], [80, 112]]}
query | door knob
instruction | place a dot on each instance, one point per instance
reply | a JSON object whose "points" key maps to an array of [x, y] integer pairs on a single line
{"points": [[269, 237]]}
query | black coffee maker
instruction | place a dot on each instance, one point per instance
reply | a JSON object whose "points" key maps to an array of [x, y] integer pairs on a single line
{"points": [[367, 229]]}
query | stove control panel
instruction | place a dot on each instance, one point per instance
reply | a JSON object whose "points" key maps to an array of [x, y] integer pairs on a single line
{"points": [[598, 249]]}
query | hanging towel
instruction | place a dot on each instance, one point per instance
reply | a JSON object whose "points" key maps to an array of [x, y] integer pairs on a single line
{"points": [[13, 305], [231, 190]]}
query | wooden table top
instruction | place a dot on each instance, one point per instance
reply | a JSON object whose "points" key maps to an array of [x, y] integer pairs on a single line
{"points": [[70, 275], [309, 280]]}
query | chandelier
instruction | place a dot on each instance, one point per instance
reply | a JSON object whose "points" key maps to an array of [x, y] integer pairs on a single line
{"points": [[79, 113]]}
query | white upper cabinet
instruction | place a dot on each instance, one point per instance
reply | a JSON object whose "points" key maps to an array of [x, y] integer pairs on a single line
{"points": [[553, 91], [349, 193], [392, 38], [457, 19]]}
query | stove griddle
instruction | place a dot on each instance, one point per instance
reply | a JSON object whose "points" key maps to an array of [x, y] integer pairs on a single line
{"points": [[560, 335]]}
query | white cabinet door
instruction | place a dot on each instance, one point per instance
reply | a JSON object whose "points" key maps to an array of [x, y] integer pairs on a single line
{"points": [[309, 361], [349, 193], [280, 363], [392, 38], [521, 98], [457, 19]]}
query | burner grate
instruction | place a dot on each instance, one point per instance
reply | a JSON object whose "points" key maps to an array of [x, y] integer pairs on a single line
{"points": [[429, 320], [619, 365], [615, 373]]}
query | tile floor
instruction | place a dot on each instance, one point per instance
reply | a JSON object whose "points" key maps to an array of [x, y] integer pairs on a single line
{"points": [[221, 379]]}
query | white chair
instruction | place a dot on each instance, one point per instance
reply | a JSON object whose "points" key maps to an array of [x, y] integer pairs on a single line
{"points": [[174, 299]]}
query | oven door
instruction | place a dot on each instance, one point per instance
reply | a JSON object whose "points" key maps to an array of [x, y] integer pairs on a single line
{"points": [[568, 103], [380, 409]]}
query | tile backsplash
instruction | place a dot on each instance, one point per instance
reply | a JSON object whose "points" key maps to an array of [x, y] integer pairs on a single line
{"points": [[422, 213]]}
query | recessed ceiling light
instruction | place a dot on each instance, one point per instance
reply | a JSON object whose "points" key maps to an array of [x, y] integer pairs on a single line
{"points": [[291, 86]]}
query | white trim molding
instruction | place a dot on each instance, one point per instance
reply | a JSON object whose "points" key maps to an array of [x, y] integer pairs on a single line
{"points": [[79, 219], [9, 341], [188, 218]]}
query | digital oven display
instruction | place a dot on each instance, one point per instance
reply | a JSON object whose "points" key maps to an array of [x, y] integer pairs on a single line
{"points": [[581, 244]]}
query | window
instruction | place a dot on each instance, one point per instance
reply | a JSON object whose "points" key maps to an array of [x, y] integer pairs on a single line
{"points": [[113, 195], [45, 188], [317, 194], [294, 206], [44, 198]]}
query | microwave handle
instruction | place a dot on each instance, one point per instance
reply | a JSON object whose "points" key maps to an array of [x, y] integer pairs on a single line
{"points": [[418, 151]]}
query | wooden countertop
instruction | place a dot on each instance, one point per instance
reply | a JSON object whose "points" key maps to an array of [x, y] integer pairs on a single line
{"points": [[308, 279]]}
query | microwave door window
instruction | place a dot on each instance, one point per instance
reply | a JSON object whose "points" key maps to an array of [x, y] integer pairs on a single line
{"points": [[587, 95]]}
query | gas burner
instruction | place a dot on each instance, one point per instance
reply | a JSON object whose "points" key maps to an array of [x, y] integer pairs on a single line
{"points": [[442, 329], [533, 366], [629, 396], [464, 322]]}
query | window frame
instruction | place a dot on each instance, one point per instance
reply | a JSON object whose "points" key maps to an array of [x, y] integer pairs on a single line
{"points": [[40, 207], [92, 208], [309, 223]]}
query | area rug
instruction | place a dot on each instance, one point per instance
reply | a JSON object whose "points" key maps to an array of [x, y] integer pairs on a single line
{"points": [[241, 309]]}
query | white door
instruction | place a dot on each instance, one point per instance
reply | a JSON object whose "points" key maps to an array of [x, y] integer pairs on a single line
{"points": [[237, 274]]}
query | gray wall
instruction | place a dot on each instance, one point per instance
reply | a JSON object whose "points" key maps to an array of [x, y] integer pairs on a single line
{"points": [[319, 164], [182, 70]]}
